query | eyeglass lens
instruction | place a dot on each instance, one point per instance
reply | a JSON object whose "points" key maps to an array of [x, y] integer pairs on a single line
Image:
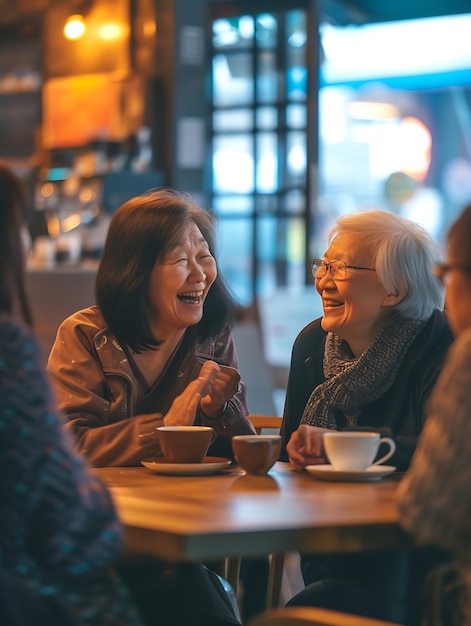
{"points": [[320, 268]]}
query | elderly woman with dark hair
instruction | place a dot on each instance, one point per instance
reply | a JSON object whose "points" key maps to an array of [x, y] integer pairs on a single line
{"points": [[369, 363], [122, 368]]}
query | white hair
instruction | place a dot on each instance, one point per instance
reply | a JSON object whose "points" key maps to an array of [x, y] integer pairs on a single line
{"points": [[403, 254]]}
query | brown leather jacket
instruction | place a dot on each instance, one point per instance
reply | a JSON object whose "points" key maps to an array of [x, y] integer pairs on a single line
{"points": [[97, 392]]}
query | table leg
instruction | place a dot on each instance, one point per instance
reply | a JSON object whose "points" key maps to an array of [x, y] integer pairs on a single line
{"points": [[232, 571], [275, 575]]}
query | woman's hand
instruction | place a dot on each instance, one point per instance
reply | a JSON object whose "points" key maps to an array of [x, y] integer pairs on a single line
{"points": [[184, 407], [306, 446], [224, 385]]}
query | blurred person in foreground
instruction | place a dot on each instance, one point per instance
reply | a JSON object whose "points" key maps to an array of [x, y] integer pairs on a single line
{"points": [[369, 363], [59, 534], [120, 369], [434, 496], [60, 538]]}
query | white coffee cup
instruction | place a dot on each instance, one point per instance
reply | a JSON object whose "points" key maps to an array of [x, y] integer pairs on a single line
{"points": [[355, 450]]}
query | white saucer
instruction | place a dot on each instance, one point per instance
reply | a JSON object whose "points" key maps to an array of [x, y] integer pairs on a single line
{"points": [[209, 465], [327, 472]]}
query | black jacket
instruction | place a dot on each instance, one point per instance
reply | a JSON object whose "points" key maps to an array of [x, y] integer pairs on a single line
{"points": [[399, 413]]}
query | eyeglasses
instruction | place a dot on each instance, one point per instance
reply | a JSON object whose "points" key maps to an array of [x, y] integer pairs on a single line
{"points": [[441, 270], [337, 269]]}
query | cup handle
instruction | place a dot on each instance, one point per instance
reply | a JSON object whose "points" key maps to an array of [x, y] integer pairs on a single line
{"points": [[213, 437], [388, 455]]}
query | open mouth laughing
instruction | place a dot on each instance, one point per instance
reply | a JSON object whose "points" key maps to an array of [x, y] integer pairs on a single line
{"points": [[331, 304], [192, 297]]}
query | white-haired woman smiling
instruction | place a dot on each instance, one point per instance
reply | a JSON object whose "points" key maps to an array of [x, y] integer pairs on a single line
{"points": [[374, 356], [369, 363]]}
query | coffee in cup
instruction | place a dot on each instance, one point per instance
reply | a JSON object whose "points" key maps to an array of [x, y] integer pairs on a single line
{"points": [[185, 444], [256, 454], [355, 450]]}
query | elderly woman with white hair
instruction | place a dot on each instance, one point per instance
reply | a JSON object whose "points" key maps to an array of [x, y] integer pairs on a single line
{"points": [[369, 363]]}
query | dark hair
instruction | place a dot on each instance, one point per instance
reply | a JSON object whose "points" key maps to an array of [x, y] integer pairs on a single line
{"points": [[142, 232], [459, 237], [12, 253]]}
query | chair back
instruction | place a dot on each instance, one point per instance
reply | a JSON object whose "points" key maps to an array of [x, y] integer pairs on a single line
{"points": [[261, 422]]}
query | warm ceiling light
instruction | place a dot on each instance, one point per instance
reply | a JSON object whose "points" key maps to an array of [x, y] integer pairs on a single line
{"points": [[110, 31], [74, 27]]}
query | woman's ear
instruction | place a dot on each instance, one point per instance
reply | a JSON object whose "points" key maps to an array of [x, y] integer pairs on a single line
{"points": [[394, 298]]}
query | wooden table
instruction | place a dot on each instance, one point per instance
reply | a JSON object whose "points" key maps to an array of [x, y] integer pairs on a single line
{"points": [[201, 518]]}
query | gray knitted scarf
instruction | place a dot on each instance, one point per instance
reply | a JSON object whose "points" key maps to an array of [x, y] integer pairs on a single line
{"points": [[352, 382]]}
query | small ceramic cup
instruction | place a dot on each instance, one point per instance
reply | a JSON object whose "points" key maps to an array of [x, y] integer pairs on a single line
{"points": [[185, 444], [256, 454], [355, 450]]}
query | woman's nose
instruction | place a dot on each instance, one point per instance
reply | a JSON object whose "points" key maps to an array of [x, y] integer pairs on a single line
{"points": [[324, 280], [197, 273]]}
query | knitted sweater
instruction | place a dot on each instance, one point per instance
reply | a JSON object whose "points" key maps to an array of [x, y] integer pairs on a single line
{"points": [[59, 532]]}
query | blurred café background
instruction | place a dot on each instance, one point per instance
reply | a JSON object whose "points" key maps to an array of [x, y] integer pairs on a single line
{"points": [[278, 114]]}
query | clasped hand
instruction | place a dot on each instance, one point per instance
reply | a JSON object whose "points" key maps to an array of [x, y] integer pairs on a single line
{"points": [[215, 385]]}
